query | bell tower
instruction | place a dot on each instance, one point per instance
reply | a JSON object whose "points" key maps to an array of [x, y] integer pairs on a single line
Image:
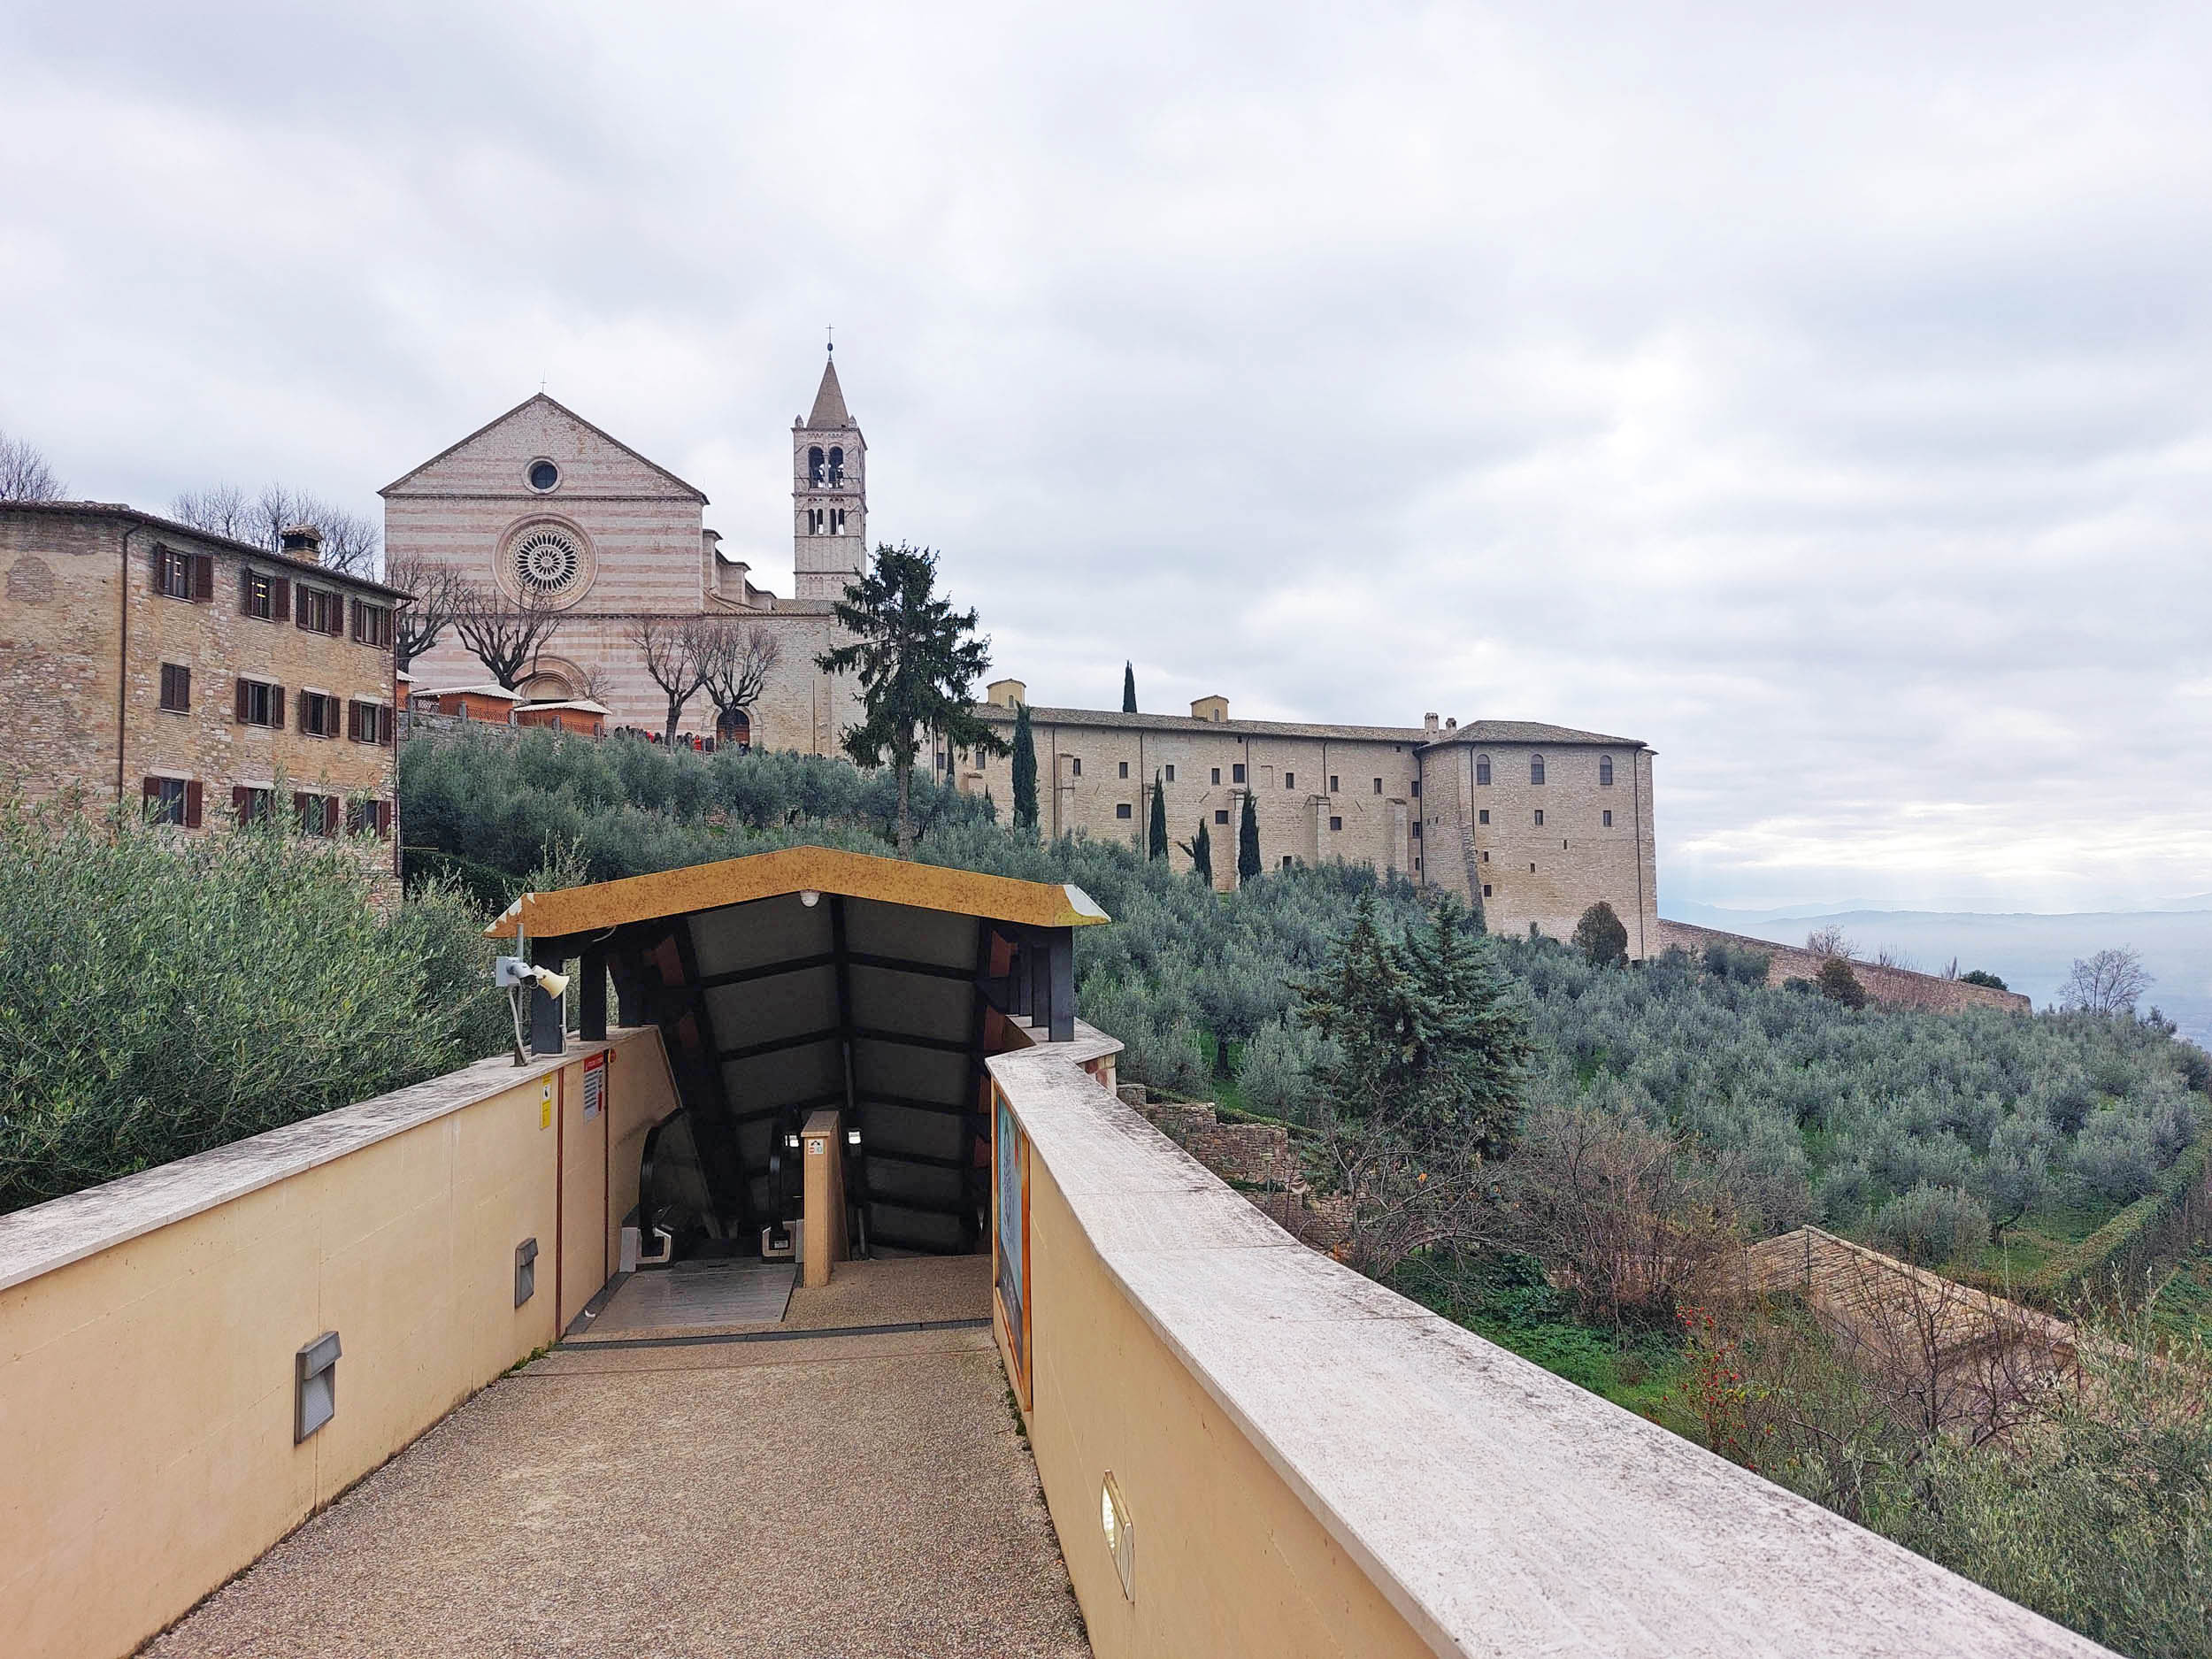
{"points": [[829, 494]]}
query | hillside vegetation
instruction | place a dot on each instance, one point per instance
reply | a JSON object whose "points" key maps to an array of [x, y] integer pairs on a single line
{"points": [[1931, 1132]]}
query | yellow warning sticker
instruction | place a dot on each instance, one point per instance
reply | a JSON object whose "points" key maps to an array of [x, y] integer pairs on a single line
{"points": [[545, 1104]]}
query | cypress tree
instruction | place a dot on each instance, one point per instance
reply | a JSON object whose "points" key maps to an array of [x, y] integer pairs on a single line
{"points": [[1128, 688], [1202, 853], [1156, 833], [1024, 772], [1248, 843]]}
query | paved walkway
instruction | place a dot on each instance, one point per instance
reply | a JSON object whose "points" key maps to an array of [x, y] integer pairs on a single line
{"points": [[824, 1495]]}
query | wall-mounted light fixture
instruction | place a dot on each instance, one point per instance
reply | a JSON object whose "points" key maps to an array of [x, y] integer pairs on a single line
{"points": [[1121, 1534], [526, 1271], [315, 1388]]}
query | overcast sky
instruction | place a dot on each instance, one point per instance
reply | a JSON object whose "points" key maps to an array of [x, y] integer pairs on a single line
{"points": [[1826, 403]]}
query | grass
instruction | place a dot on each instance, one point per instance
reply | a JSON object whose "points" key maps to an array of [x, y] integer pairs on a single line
{"points": [[1506, 1299]]}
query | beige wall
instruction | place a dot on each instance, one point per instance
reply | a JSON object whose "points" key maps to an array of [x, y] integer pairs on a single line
{"points": [[1108, 1394], [1288, 777], [146, 1388]]}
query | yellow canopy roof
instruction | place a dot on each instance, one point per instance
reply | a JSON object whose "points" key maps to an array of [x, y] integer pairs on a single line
{"points": [[604, 904]]}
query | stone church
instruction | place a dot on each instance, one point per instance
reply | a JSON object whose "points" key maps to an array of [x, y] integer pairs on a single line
{"points": [[543, 505], [1532, 821]]}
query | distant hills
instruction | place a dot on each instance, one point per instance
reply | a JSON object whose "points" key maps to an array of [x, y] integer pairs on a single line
{"points": [[2030, 953]]}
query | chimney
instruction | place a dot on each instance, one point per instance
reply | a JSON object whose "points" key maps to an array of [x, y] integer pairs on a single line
{"points": [[1452, 724], [1428, 722], [302, 542]]}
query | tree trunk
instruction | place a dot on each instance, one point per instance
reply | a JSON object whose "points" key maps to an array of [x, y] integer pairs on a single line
{"points": [[906, 820], [675, 714]]}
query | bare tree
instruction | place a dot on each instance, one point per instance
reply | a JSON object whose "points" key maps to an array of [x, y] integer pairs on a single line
{"points": [[1831, 941], [222, 510], [1887, 958], [350, 540], [738, 658], [1620, 1211], [2109, 982], [674, 659], [505, 633], [435, 591], [23, 474]]}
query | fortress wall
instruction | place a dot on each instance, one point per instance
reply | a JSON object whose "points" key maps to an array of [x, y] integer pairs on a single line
{"points": [[1892, 987]]}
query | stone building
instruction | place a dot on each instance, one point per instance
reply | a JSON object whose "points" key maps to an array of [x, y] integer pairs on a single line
{"points": [[209, 680], [543, 504], [1472, 809]]}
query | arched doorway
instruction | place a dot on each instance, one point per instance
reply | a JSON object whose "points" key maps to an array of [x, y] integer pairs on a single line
{"points": [[733, 726]]}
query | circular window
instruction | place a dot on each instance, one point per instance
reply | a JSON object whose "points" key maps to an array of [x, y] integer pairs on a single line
{"points": [[543, 475], [548, 563]]}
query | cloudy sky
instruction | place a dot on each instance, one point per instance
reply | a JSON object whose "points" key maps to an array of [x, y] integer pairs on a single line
{"points": [[1826, 401]]}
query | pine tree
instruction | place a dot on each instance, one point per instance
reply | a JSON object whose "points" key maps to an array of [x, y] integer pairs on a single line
{"points": [[917, 659], [1247, 843], [1024, 772], [1155, 833], [1128, 688]]}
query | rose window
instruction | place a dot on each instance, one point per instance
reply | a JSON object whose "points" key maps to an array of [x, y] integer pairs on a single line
{"points": [[548, 563]]}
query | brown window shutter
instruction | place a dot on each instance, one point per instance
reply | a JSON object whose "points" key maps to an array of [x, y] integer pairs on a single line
{"points": [[240, 712], [330, 815], [280, 605], [203, 579], [245, 592], [276, 707], [192, 805], [353, 608], [337, 617], [384, 819], [239, 797], [384, 723], [160, 555], [152, 790], [299, 809], [353, 722]]}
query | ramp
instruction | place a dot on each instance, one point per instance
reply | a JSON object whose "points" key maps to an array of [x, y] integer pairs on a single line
{"points": [[690, 1298]]}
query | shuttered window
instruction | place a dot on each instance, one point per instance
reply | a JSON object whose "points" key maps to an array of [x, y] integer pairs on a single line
{"points": [[319, 714], [251, 805], [173, 801], [265, 596], [319, 611], [176, 688], [371, 624], [369, 817], [317, 814], [260, 703], [181, 575], [369, 722]]}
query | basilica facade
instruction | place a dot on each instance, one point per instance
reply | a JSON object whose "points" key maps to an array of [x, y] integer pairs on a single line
{"points": [[544, 508]]}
